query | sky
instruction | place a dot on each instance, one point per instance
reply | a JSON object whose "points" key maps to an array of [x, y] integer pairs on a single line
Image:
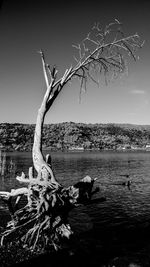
{"points": [[54, 26]]}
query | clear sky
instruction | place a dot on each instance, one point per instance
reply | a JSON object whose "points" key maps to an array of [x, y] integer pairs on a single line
{"points": [[26, 26]]}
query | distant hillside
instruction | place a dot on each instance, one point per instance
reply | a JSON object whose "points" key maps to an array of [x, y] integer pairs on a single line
{"points": [[70, 135]]}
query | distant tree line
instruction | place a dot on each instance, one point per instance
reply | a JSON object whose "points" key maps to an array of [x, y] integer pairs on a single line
{"points": [[69, 135]]}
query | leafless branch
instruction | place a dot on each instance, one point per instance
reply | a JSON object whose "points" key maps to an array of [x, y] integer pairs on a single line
{"points": [[44, 67]]}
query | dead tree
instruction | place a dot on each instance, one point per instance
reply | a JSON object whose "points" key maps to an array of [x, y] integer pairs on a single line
{"points": [[42, 222]]}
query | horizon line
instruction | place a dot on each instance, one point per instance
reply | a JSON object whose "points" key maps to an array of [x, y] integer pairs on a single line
{"points": [[114, 123]]}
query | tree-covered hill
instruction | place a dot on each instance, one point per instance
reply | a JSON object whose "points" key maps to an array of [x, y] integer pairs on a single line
{"points": [[70, 135]]}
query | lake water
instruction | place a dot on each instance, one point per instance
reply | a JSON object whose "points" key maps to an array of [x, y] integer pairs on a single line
{"points": [[114, 230]]}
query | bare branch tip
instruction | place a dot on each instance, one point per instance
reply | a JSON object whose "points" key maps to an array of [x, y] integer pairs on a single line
{"points": [[117, 21], [40, 52]]}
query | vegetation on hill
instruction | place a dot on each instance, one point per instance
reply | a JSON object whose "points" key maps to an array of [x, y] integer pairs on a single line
{"points": [[70, 135]]}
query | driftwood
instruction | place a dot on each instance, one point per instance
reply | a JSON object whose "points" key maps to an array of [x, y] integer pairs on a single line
{"points": [[42, 222]]}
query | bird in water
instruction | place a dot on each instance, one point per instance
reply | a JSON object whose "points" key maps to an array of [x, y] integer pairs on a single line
{"points": [[127, 183]]}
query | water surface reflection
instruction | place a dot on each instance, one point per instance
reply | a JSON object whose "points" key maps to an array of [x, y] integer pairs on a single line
{"points": [[117, 226]]}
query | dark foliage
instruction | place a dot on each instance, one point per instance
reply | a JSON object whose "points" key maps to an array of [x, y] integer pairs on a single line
{"points": [[66, 135]]}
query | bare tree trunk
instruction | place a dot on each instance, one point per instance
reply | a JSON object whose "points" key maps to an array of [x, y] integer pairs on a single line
{"points": [[42, 167]]}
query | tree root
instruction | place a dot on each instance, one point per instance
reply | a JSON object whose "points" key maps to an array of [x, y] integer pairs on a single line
{"points": [[43, 221]]}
